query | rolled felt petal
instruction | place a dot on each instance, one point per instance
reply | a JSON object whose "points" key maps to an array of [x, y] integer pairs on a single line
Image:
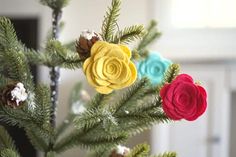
{"points": [[109, 67]]}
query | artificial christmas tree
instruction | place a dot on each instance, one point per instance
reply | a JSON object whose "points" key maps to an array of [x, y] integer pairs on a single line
{"points": [[127, 101]]}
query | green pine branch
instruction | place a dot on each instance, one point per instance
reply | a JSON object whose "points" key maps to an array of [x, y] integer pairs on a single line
{"points": [[8, 38], [143, 150], [91, 138], [167, 154], [135, 123], [42, 134], [51, 154], [97, 101], [90, 118], [38, 133], [43, 103], [9, 153], [171, 73], [34, 57], [5, 140], [103, 142], [70, 46], [140, 150], [130, 95], [4, 81], [9, 42], [110, 20], [7, 146], [65, 58], [37, 138], [98, 122], [17, 68], [91, 126], [14, 63], [57, 55], [129, 34], [151, 35]]}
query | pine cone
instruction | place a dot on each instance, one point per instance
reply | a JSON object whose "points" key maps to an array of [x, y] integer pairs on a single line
{"points": [[14, 95], [120, 151], [85, 42]]}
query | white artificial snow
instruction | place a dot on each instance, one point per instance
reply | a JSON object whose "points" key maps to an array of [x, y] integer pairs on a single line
{"points": [[31, 103], [78, 107], [31, 106], [19, 93], [87, 34], [121, 149], [127, 112]]}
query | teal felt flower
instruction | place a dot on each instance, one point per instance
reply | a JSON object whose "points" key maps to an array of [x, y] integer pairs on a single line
{"points": [[153, 67]]}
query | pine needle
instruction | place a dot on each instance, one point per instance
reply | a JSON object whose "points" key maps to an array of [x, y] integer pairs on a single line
{"points": [[129, 34], [140, 150], [168, 154], [110, 20], [5, 139], [9, 153], [169, 75]]}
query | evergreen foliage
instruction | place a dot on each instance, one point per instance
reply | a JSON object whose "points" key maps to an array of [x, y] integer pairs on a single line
{"points": [[129, 34], [170, 75], [5, 140], [168, 154], [110, 20], [9, 153], [141, 150], [109, 120], [51, 154], [57, 55], [8, 37], [151, 35], [98, 100], [110, 25], [3, 81], [7, 146]]}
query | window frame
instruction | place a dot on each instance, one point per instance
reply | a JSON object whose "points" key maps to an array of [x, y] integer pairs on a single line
{"points": [[191, 43]]}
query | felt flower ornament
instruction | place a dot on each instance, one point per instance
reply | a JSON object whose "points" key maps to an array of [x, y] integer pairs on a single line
{"points": [[153, 67], [109, 67], [183, 99]]}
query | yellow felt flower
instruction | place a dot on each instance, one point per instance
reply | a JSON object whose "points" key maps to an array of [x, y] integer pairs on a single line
{"points": [[109, 67]]}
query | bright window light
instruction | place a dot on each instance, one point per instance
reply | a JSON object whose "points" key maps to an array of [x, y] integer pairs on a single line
{"points": [[203, 13]]}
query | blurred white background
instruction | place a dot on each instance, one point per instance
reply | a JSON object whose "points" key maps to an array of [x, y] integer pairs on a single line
{"points": [[198, 34]]}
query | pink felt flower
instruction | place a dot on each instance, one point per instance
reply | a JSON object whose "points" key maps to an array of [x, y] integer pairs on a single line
{"points": [[183, 99]]}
